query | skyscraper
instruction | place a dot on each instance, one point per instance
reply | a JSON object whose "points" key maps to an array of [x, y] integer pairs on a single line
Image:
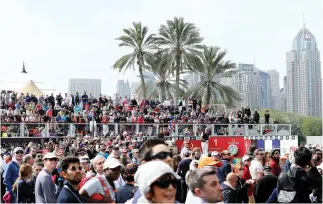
{"points": [[192, 78], [123, 89], [92, 86], [247, 83], [274, 89], [264, 89], [304, 83]]}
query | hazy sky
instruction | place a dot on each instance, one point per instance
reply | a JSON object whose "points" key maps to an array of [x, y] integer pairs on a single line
{"points": [[64, 39]]}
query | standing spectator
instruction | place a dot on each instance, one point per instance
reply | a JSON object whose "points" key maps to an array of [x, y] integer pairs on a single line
{"points": [[71, 172], [274, 162], [204, 185], [256, 167], [12, 172], [28, 159], [205, 141], [267, 117], [256, 117], [265, 185], [297, 183], [226, 166], [183, 168], [45, 191], [127, 191], [23, 188]]}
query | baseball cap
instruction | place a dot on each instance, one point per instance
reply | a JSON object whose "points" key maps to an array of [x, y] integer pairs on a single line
{"points": [[149, 172], [267, 168], [208, 161], [215, 153], [131, 169], [186, 152], [49, 155], [112, 163], [18, 149], [245, 158]]}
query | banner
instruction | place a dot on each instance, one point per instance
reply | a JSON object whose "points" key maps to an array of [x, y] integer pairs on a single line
{"points": [[220, 143], [194, 143]]}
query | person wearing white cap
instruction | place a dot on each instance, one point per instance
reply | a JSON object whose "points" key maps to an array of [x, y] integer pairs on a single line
{"points": [[103, 185], [157, 182], [45, 191], [12, 172]]}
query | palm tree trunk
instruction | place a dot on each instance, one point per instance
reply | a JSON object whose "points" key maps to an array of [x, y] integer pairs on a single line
{"points": [[162, 94], [178, 62], [142, 78], [206, 97]]}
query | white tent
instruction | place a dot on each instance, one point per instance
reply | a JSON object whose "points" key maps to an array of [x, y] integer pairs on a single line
{"points": [[31, 88]]}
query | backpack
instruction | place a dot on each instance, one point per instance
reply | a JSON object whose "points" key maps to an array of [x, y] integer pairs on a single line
{"points": [[288, 193], [96, 196]]}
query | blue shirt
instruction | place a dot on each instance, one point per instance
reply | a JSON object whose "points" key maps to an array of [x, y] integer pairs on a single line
{"points": [[11, 175], [69, 195]]}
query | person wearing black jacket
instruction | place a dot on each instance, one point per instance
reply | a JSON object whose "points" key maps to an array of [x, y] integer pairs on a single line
{"points": [[297, 183], [182, 169], [265, 186]]}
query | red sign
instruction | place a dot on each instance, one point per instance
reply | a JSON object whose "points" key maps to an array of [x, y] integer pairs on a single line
{"points": [[194, 143], [220, 143]]}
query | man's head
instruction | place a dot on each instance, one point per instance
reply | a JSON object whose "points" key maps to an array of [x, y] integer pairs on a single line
{"points": [[259, 154], [204, 183], [129, 172], [216, 156], [186, 153], [155, 149], [112, 169], [71, 170], [37, 168], [267, 170], [225, 155], [232, 179], [196, 153], [50, 161], [275, 154], [18, 154], [85, 162], [302, 156]]}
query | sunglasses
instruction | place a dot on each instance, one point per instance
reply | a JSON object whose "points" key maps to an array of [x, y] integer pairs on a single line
{"points": [[52, 159], [261, 154], [37, 169], [164, 183], [74, 168], [161, 155], [19, 152]]}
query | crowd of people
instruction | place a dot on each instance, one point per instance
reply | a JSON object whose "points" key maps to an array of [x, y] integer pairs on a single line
{"points": [[92, 116], [121, 170]]}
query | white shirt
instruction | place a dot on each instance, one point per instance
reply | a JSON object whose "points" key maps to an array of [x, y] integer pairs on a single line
{"points": [[94, 186], [120, 182], [255, 168]]}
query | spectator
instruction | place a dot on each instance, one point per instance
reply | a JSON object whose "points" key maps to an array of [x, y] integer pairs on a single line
{"points": [[295, 185], [256, 167], [265, 185], [25, 192], [226, 166], [28, 159], [71, 172], [267, 117], [183, 168], [274, 162], [157, 183], [127, 191], [45, 191], [12, 172]]}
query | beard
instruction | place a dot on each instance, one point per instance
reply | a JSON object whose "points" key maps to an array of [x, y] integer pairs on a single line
{"points": [[77, 179]]}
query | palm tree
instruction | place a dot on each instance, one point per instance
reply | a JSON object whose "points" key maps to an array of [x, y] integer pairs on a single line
{"points": [[142, 46], [212, 69], [162, 86], [180, 44]]}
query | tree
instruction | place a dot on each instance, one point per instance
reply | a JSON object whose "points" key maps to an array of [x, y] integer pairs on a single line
{"points": [[311, 126], [142, 46], [214, 67], [180, 45], [162, 86]]}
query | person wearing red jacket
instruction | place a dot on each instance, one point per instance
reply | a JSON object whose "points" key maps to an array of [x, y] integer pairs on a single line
{"points": [[274, 162]]}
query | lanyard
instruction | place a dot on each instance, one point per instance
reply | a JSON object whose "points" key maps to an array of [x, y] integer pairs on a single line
{"points": [[65, 186]]}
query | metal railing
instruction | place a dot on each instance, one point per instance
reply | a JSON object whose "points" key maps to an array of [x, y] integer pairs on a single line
{"points": [[105, 129]]}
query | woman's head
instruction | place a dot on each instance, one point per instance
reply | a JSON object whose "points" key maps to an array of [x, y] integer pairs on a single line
{"points": [[157, 181], [25, 171]]}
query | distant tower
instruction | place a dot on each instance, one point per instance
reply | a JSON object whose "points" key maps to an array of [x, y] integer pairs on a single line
{"points": [[23, 69]]}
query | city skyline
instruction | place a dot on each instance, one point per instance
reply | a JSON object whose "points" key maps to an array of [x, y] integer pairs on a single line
{"points": [[75, 45]]}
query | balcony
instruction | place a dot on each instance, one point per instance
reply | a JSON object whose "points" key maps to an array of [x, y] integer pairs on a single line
{"points": [[186, 131]]}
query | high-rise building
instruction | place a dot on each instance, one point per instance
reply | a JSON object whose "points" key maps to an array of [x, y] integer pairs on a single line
{"points": [[304, 83], [134, 86], [150, 77], [247, 83], [123, 89], [92, 86], [274, 89], [192, 78], [264, 88]]}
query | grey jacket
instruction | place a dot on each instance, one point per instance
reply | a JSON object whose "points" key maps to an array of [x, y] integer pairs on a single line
{"points": [[45, 191]]}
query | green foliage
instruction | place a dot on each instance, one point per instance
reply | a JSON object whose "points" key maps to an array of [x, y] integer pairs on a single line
{"points": [[301, 125]]}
